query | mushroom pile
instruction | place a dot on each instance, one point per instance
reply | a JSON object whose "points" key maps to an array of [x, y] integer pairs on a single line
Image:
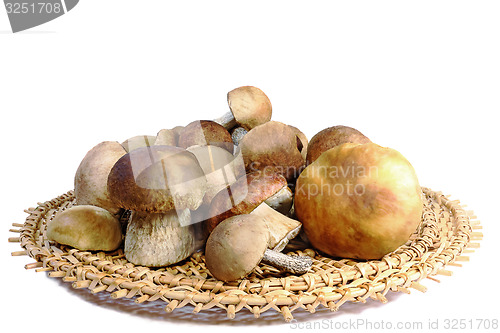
{"points": [[232, 187]]}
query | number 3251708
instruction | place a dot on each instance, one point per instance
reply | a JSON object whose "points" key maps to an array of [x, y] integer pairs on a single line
{"points": [[471, 324], [33, 8]]}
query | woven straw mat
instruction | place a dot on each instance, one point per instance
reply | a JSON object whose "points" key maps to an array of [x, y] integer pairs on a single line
{"points": [[446, 232]]}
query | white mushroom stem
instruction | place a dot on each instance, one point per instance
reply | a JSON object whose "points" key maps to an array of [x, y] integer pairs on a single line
{"points": [[238, 134], [292, 264], [156, 240], [227, 120], [281, 227]]}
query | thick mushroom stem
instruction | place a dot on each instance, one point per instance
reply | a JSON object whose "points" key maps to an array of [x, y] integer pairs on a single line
{"points": [[227, 120], [291, 264]]}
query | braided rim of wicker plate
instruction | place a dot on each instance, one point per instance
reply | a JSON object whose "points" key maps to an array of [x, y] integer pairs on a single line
{"points": [[446, 231]]}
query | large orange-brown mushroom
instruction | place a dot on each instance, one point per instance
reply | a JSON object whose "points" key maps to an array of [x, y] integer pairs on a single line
{"points": [[358, 201]]}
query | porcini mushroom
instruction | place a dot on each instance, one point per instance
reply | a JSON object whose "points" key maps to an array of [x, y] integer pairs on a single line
{"points": [[273, 145], [249, 107], [240, 243], [91, 177], [157, 179], [205, 132], [159, 239], [86, 227], [359, 201], [159, 184], [247, 196], [331, 137], [138, 141]]}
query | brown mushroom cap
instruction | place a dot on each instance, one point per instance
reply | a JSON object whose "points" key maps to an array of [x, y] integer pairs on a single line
{"points": [[91, 177], [243, 196], [236, 246], [86, 227], [274, 145], [250, 106], [205, 132], [157, 179], [331, 137]]}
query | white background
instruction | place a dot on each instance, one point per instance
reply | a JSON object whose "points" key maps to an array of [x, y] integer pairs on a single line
{"points": [[422, 77]]}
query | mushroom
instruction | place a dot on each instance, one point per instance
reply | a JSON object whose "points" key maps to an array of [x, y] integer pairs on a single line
{"points": [[237, 135], [281, 201], [160, 184], [273, 145], [159, 239], [247, 196], [249, 107], [331, 137], [220, 167], [138, 142], [240, 243], [92, 175], [86, 227], [166, 137], [157, 179], [205, 132]]}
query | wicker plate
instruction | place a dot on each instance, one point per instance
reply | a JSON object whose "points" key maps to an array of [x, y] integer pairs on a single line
{"points": [[441, 239]]}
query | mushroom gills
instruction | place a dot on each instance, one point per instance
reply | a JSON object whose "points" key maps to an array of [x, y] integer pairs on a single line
{"points": [[281, 228], [281, 201]]}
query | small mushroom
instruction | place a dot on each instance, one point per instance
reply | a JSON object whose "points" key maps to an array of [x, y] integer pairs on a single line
{"points": [[205, 132], [166, 137], [138, 142], [247, 196], [331, 137], [160, 184], [237, 135], [240, 243], [273, 145], [86, 227], [249, 107], [91, 177]]}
